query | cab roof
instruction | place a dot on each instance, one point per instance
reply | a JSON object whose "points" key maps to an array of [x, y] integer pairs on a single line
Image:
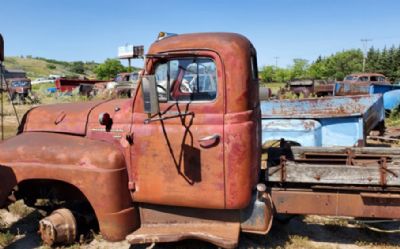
{"points": [[219, 42]]}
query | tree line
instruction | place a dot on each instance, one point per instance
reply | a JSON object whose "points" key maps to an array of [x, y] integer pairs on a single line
{"points": [[338, 65]]}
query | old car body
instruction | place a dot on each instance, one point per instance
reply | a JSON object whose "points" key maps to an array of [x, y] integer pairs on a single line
{"points": [[18, 85], [366, 78], [64, 84], [124, 85], [370, 83], [19, 88], [306, 87], [180, 159]]}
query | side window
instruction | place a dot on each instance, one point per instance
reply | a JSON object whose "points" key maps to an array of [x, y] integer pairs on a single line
{"points": [[187, 79], [363, 78], [374, 78]]}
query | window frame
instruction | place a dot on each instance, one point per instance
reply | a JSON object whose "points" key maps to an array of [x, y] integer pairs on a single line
{"points": [[168, 88], [254, 67]]}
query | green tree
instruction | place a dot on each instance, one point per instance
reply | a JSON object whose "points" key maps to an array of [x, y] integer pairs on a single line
{"points": [[282, 75], [109, 69], [372, 60], [318, 69], [267, 73], [299, 69], [338, 65], [78, 67]]}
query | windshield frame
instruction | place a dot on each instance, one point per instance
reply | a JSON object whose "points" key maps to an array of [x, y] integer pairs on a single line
{"points": [[168, 59]]}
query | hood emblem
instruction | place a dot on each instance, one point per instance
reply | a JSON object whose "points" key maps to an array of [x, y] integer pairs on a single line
{"points": [[60, 117]]}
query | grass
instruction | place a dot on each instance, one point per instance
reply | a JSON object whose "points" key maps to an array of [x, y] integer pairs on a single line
{"points": [[6, 238], [369, 245], [42, 88], [394, 118], [274, 86], [37, 67], [303, 242], [20, 209]]}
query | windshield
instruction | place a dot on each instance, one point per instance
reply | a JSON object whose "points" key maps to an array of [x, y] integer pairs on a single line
{"points": [[186, 79], [19, 83], [134, 77], [350, 78]]}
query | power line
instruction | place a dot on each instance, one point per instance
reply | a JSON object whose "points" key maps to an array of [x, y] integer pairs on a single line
{"points": [[365, 46], [276, 62]]}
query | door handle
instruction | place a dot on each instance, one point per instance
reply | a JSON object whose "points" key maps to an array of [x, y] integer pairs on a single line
{"points": [[209, 141]]}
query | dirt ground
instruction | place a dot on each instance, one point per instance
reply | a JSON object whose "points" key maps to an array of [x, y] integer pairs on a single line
{"points": [[19, 230], [19, 225]]}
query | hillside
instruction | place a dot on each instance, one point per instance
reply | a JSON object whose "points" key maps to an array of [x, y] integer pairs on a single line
{"points": [[41, 67]]}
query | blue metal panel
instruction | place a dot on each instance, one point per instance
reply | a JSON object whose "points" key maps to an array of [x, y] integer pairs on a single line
{"points": [[306, 132], [342, 131], [343, 106], [334, 121], [391, 99]]}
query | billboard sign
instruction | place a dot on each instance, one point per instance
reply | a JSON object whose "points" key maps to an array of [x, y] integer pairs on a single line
{"points": [[130, 51]]}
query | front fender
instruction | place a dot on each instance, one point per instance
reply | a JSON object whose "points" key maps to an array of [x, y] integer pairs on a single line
{"points": [[96, 168]]}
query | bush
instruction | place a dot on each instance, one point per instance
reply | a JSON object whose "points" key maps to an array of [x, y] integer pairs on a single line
{"points": [[109, 69], [51, 66]]}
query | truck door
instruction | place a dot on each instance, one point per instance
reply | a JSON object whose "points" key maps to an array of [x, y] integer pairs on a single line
{"points": [[178, 155]]}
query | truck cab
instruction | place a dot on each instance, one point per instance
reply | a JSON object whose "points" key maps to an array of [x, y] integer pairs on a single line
{"points": [[205, 132], [192, 158]]}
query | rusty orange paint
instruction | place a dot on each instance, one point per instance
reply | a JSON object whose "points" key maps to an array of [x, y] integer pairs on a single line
{"points": [[99, 176], [226, 173]]}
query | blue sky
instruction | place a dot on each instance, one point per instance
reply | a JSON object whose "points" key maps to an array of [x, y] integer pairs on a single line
{"points": [[93, 29]]}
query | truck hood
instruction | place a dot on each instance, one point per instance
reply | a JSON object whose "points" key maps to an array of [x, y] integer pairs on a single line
{"points": [[71, 118]]}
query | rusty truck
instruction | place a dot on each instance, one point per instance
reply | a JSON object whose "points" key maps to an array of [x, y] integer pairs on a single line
{"points": [[18, 85], [182, 158]]}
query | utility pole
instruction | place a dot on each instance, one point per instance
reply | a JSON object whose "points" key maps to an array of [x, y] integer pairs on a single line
{"points": [[365, 46], [276, 62], [1, 86]]}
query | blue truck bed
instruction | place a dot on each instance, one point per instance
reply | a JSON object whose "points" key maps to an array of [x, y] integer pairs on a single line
{"points": [[330, 121], [391, 93]]}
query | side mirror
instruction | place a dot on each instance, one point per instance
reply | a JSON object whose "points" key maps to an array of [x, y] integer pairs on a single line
{"points": [[1, 48], [150, 96]]}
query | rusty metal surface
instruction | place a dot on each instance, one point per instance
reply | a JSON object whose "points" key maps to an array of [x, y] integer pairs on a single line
{"points": [[311, 86], [59, 227], [345, 167], [329, 121], [233, 49], [345, 88], [64, 118], [166, 224], [67, 158], [67, 85], [335, 204], [328, 107], [324, 89], [169, 166], [356, 76], [258, 216]]}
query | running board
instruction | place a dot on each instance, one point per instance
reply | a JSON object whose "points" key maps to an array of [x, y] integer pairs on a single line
{"points": [[222, 235], [168, 224]]}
